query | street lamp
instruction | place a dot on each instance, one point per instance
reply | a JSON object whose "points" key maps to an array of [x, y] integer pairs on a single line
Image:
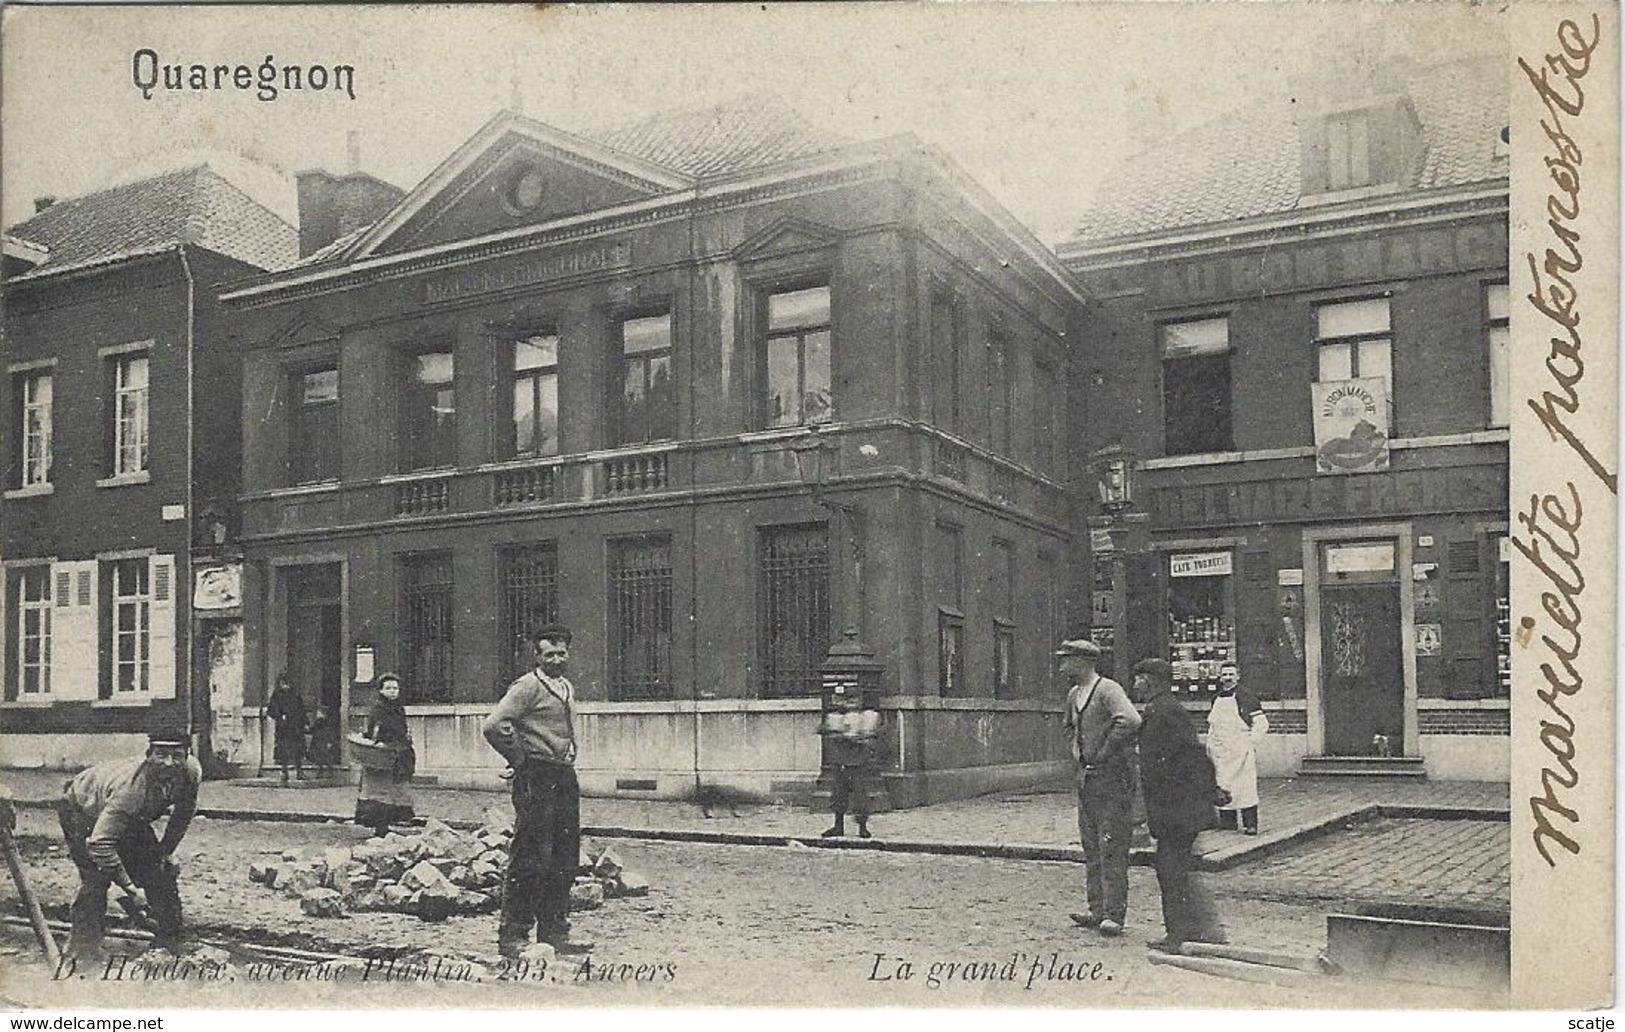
{"points": [[1116, 481]]}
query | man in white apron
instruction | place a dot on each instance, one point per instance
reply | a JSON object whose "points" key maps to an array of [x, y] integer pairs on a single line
{"points": [[1235, 726]]}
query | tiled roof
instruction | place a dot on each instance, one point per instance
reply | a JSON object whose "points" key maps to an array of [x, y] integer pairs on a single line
{"points": [[192, 206], [741, 134], [1249, 164]]}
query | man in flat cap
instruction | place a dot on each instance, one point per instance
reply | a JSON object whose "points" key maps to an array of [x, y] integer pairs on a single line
{"points": [[1100, 727], [106, 812], [1177, 778]]}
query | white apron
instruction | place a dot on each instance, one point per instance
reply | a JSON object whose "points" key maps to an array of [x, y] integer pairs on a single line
{"points": [[1233, 747]]}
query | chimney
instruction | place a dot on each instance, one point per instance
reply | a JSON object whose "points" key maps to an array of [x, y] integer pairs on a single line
{"points": [[333, 206], [41, 203]]}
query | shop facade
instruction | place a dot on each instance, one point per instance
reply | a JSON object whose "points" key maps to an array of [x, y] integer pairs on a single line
{"points": [[683, 402], [1296, 409]]}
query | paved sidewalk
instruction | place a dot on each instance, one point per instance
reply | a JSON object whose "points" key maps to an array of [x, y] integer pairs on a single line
{"points": [[1037, 824]]}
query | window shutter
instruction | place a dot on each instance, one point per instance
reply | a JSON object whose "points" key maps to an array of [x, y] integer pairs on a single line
{"points": [[75, 645], [11, 635], [161, 624]]}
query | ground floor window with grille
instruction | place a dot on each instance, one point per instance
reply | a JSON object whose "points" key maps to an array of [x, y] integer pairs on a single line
{"points": [[527, 579], [132, 627], [31, 601], [1004, 659], [950, 653], [793, 614], [426, 645], [640, 618]]}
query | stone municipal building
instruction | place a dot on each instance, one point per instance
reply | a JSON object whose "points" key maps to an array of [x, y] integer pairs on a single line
{"points": [[710, 389]]}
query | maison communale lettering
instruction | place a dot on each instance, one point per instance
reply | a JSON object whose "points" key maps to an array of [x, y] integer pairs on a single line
{"points": [[527, 271]]}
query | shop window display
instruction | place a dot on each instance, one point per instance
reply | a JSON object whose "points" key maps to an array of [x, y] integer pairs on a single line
{"points": [[1201, 620]]}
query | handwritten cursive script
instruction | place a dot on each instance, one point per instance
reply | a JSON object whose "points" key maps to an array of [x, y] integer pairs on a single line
{"points": [[1550, 527]]}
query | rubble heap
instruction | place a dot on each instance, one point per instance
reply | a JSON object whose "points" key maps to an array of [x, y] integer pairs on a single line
{"points": [[433, 874]]}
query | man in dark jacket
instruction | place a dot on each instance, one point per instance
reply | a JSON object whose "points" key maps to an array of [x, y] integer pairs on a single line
{"points": [[1177, 779]]}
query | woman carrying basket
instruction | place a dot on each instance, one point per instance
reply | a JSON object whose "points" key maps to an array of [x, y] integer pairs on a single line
{"points": [[385, 796]]}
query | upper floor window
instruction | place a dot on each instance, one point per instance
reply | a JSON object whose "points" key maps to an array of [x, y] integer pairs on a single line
{"points": [[1051, 445], [1354, 341], [32, 391], [795, 358], [1500, 341], [314, 443], [1348, 151], [1001, 387], [648, 402], [129, 414], [1377, 143], [535, 427], [943, 360], [1196, 387], [430, 412]]}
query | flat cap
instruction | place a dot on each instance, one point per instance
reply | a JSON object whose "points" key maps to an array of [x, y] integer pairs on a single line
{"points": [[1080, 647], [1158, 668], [168, 737]]}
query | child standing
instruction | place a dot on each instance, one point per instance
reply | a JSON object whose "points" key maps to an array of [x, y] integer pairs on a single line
{"points": [[849, 731]]}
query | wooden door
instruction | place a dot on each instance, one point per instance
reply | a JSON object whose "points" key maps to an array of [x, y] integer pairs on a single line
{"points": [[1362, 670]]}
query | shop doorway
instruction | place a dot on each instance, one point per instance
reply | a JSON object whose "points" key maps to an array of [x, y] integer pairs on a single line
{"points": [[315, 650], [1362, 664]]}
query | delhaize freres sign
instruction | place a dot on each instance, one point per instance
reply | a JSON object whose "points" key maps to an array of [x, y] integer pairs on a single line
{"points": [[1352, 421]]}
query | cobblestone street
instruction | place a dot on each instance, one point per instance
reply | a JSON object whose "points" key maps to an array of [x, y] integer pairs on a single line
{"points": [[1422, 862], [759, 924]]}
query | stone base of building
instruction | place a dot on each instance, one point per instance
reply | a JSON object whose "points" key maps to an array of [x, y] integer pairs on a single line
{"points": [[745, 750], [67, 752], [1482, 757]]}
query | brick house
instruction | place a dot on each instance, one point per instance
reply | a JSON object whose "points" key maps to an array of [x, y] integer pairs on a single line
{"points": [[710, 388], [1296, 412], [122, 472]]}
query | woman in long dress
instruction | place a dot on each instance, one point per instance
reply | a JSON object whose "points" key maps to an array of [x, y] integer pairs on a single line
{"points": [[385, 795], [1235, 726]]}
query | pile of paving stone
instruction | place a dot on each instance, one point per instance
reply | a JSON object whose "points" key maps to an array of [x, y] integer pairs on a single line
{"points": [[434, 874]]}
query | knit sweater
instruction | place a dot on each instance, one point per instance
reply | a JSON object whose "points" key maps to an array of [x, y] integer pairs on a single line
{"points": [[534, 721], [1100, 722]]}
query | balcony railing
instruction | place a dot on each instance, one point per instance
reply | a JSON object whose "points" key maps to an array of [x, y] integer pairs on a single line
{"points": [[423, 497], [951, 460], [720, 463], [1005, 485], [630, 474], [524, 486]]}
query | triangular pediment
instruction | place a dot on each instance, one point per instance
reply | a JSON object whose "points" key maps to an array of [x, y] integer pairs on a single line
{"points": [[514, 172], [787, 236], [303, 331]]}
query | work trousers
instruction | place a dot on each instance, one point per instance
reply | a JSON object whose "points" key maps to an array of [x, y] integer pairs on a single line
{"points": [[544, 854], [849, 791], [1187, 908], [143, 859], [1248, 815], [1105, 828]]}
